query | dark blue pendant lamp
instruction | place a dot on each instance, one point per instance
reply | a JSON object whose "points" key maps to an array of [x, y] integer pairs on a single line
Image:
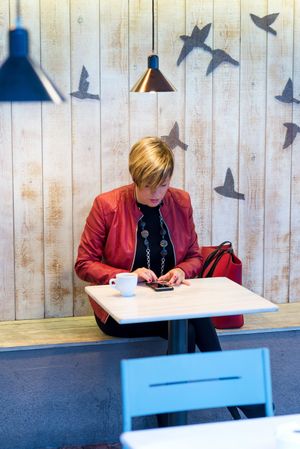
{"points": [[153, 80], [20, 78]]}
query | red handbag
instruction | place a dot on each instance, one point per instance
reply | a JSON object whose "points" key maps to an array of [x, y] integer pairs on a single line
{"points": [[220, 261]]}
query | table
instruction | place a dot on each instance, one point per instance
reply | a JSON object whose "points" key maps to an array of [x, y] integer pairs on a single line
{"points": [[205, 297], [256, 433]]}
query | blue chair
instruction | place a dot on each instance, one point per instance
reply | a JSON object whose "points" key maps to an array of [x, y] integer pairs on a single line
{"points": [[182, 382]]}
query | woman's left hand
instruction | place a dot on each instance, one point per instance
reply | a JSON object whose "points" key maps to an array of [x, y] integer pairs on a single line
{"points": [[176, 276]]}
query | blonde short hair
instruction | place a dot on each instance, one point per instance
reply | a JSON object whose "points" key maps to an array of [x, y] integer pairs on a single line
{"points": [[151, 162]]}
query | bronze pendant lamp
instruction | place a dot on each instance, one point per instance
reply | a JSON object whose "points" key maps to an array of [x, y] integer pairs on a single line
{"points": [[20, 78], [153, 80]]}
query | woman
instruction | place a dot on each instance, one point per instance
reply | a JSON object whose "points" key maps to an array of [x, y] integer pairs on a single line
{"points": [[146, 228]]}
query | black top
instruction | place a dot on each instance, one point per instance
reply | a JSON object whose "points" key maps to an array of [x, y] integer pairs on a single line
{"points": [[151, 217]]}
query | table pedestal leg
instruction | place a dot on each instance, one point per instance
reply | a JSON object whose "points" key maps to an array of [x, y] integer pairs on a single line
{"points": [[178, 337], [177, 344]]}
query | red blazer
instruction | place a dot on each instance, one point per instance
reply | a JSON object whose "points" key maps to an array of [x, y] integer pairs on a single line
{"points": [[108, 241]]}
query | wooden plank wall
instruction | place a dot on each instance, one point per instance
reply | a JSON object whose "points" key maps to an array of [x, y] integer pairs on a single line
{"points": [[27, 171], [55, 159]]}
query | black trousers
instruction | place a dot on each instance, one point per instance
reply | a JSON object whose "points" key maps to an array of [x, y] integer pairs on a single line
{"points": [[201, 332]]}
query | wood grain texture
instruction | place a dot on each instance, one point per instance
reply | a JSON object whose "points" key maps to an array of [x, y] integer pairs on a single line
{"points": [[140, 104], [114, 93], [72, 330], [28, 191], [55, 159], [86, 139], [171, 106], [287, 318], [7, 281], [294, 266], [252, 145], [198, 122], [278, 161], [50, 331], [57, 168], [226, 32]]}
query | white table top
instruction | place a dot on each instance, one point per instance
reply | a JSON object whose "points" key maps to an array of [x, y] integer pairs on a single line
{"points": [[203, 298], [257, 433]]}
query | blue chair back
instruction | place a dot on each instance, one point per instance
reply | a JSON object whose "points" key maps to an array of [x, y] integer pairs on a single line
{"points": [[182, 382]]}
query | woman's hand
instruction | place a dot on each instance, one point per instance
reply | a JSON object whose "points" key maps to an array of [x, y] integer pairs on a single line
{"points": [[145, 275], [176, 276]]}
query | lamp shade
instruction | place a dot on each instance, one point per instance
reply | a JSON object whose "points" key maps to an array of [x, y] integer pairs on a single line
{"points": [[153, 80], [20, 78]]}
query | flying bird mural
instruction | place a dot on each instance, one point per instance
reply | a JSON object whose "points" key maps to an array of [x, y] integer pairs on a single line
{"points": [[219, 57], [287, 95], [265, 22], [173, 138], [291, 133], [228, 188], [196, 39], [83, 87]]}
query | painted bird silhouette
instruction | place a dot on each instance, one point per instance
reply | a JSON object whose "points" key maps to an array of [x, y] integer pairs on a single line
{"points": [[228, 188], [287, 95], [219, 57], [291, 133], [265, 22], [196, 39], [83, 87], [173, 138]]}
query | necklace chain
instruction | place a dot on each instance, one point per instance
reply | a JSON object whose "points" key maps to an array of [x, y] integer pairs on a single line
{"points": [[163, 244]]}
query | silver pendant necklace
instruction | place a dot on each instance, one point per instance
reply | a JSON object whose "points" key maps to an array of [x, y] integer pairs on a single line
{"points": [[163, 244]]}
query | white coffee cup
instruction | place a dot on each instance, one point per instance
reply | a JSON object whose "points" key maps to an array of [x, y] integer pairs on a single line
{"points": [[125, 282]]}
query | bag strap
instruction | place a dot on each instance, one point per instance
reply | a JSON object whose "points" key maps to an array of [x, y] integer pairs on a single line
{"points": [[219, 248], [216, 261], [214, 258]]}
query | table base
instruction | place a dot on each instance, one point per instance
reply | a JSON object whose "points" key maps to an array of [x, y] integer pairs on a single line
{"points": [[177, 344]]}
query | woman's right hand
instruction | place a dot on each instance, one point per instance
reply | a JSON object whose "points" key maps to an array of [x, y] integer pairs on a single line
{"points": [[144, 274]]}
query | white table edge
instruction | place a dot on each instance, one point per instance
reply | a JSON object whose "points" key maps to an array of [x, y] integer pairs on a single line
{"points": [[182, 316], [131, 438]]}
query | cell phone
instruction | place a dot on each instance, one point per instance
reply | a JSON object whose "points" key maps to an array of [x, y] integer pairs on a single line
{"points": [[160, 286]]}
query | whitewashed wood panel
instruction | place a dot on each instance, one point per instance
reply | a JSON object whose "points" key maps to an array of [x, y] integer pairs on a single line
{"points": [[226, 29], [142, 106], [28, 191], [171, 105], [252, 144], [85, 51], [294, 267], [198, 121], [55, 159], [114, 93], [278, 160], [57, 168], [7, 282]]}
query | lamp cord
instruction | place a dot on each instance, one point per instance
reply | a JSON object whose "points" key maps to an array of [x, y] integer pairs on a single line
{"points": [[152, 26], [18, 14]]}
